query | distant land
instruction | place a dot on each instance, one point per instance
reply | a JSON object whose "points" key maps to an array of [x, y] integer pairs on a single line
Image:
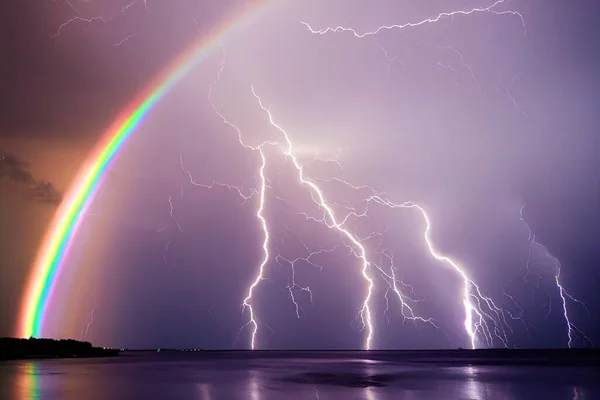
{"points": [[15, 349], [508, 357]]}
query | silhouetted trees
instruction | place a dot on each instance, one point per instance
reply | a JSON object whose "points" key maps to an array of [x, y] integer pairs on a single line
{"points": [[13, 348]]}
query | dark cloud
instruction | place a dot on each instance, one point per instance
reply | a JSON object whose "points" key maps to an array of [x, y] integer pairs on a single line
{"points": [[16, 170]]}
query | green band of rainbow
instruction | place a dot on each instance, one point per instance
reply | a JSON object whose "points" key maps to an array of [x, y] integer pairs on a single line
{"points": [[60, 235]]}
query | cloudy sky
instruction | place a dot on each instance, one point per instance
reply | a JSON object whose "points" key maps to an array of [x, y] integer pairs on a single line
{"points": [[476, 118]]}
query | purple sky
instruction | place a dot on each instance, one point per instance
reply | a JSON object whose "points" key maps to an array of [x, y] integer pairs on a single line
{"points": [[472, 117]]}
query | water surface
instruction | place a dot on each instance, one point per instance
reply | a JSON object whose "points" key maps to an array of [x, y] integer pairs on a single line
{"points": [[343, 376]]}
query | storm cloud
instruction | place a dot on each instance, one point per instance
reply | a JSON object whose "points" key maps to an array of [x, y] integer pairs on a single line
{"points": [[15, 170]]}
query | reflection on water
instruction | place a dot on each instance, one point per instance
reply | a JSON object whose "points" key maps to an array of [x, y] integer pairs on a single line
{"points": [[370, 370], [370, 393], [254, 385], [578, 393], [27, 382], [205, 391], [191, 377], [472, 388]]}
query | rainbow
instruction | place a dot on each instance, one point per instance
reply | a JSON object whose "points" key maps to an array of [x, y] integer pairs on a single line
{"points": [[68, 217]]}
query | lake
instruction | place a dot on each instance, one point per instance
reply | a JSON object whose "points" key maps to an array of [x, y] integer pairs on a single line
{"points": [[346, 376]]}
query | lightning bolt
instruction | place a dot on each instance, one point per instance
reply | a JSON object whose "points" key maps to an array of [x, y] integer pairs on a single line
{"points": [[507, 90], [433, 20], [231, 188], [177, 224], [572, 329], [319, 198], [463, 63], [393, 283], [78, 18], [391, 60], [247, 302], [473, 298], [173, 216], [265, 246], [71, 6], [475, 302], [316, 194], [239, 191], [485, 322], [196, 24], [166, 253], [84, 331], [482, 315], [448, 67], [440, 16]]}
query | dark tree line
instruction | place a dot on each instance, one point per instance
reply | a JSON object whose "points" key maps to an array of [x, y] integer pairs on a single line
{"points": [[13, 348]]}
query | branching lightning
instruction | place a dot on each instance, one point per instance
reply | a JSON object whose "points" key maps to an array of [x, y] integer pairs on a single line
{"points": [[433, 20], [365, 312], [78, 18], [490, 319], [177, 224], [439, 17], [317, 196], [475, 303], [572, 329], [486, 323]]}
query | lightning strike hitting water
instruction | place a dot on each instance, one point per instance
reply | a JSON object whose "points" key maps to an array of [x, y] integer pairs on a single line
{"points": [[393, 282], [572, 329], [166, 253], [485, 308], [265, 246], [288, 151], [247, 302], [471, 292], [365, 312], [473, 299]]}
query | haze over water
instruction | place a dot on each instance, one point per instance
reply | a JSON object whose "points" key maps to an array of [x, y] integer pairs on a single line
{"points": [[163, 375]]}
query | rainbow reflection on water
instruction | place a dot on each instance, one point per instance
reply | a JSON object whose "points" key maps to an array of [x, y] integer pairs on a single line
{"points": [[28, 385]]}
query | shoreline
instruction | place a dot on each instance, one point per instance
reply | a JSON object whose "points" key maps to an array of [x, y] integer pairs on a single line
{"points": [[44, 349], [38, 349]]}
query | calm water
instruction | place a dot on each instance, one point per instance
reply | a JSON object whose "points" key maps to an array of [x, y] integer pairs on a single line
{"points": [[191, 376]]}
